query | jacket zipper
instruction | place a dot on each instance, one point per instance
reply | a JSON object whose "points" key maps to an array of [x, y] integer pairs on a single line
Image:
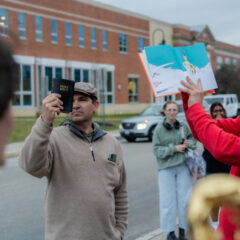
{"points": [[91, 149]]}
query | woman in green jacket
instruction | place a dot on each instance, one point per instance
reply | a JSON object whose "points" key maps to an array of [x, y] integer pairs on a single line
{"points": [[174, 179]]}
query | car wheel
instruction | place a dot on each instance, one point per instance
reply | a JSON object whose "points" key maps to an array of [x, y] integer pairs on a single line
{"points": [[150, 134], [130, 139]]}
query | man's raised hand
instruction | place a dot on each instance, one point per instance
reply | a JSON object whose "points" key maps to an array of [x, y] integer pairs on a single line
{"points": [[51, 105], [194, 91]]}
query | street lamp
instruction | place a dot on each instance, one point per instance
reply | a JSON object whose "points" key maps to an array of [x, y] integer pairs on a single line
{"points": [[163, 36]]}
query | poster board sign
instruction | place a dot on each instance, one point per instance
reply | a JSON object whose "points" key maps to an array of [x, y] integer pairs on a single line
{"points": [[166, 66]]}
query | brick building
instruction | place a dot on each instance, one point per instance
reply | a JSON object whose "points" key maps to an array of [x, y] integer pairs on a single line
{"points": [[84, 40], [79, 40], [219, 53]]}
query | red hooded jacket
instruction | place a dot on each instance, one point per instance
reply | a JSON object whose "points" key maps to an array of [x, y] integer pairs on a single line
{"points": [[222, 139]]}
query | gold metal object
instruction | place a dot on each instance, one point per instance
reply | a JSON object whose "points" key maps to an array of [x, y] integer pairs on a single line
{"points": [[210, 192]]}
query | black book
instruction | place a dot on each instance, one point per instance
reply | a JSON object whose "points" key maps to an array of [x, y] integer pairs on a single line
{"points": [[65, 88]]}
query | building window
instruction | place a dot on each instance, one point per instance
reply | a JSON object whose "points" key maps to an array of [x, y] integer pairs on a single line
{"points": [[52, 72], [3, 22], [227, 61], [54, 32], [22, 25], [24, 94], [81, 36], [133, 89], [77, 75], [38, 26], [85, 75], [140, 44], [105, 40], [219, 62], [68, 32], [109, 90], [81, 75], [105, 85], [235, 63], [122, 43], [93, 38]]}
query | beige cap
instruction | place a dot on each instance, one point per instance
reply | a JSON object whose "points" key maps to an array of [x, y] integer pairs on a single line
{"points": [[85, 88]]}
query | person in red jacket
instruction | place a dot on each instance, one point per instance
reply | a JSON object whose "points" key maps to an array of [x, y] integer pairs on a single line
{"points": [[221, 137]]}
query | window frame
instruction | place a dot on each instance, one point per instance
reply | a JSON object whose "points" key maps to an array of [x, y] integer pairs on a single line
{"points": [[82, 72], [135, 96], [123, 47], [22, 92], [81, 36], [141, 44], [68, 33], [22, 29], [219, 63], [38, 31], [53, 33], [94, 40], [4, 22], [235, 63], [54, 71], [227, 61], [109, 93], [105, 39]]}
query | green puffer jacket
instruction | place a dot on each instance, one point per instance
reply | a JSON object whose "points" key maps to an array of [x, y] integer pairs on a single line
{"points": [[165, 142]]}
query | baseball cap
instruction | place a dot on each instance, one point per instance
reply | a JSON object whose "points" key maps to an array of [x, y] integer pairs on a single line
{"points": [[85, 88]]}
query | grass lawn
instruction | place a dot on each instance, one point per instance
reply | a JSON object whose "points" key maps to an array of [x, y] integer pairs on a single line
{"points": [[23, 125]]}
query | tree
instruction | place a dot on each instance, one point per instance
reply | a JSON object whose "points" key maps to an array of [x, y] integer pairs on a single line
{"points": [[228, 80]]}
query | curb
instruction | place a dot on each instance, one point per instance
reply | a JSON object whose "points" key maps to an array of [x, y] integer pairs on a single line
{"points": [[12, 154]]}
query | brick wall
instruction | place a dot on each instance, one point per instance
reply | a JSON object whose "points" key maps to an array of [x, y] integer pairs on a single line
{"points": [[90, 16]]}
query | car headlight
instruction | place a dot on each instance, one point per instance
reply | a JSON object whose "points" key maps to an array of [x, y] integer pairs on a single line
{"points": [[141, 126], [120, 126]]}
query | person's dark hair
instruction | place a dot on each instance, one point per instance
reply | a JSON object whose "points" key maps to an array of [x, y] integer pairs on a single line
{"points": [[9, 76], [165, 106], [216, 104]]}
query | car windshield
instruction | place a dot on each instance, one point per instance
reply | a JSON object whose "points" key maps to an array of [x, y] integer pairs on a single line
{"points": [[152, 111], [212, 100]]}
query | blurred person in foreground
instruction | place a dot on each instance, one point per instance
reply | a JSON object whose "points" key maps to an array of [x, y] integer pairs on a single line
{"points": [[221, 137], [217, 111], [8, 82], [87, 191], [174, 179]]}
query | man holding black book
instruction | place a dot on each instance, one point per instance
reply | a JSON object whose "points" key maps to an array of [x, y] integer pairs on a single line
{"points": [[86, 194]]}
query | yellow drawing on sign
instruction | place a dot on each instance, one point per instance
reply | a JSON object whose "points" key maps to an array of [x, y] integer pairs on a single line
{"points": [[188, 66]]}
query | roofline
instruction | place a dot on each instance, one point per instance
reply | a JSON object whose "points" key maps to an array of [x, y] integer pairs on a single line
{"points": [[175, 25], [122, 11]]}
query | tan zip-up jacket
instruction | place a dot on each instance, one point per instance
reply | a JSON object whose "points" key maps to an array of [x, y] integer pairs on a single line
{"points": [[86, 199]]}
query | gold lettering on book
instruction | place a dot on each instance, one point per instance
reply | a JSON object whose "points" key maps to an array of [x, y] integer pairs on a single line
{"points": [[63, 88]]}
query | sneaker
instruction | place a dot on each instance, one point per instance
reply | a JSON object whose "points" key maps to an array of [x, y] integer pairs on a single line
{"points": [[171, 236], [182, 238], [182, 234]]}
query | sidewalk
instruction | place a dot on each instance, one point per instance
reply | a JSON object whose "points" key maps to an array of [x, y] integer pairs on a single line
{"points": [[154, 235]]}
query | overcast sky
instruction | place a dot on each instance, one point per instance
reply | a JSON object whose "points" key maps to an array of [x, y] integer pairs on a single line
{"points": [[221, 16]]}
